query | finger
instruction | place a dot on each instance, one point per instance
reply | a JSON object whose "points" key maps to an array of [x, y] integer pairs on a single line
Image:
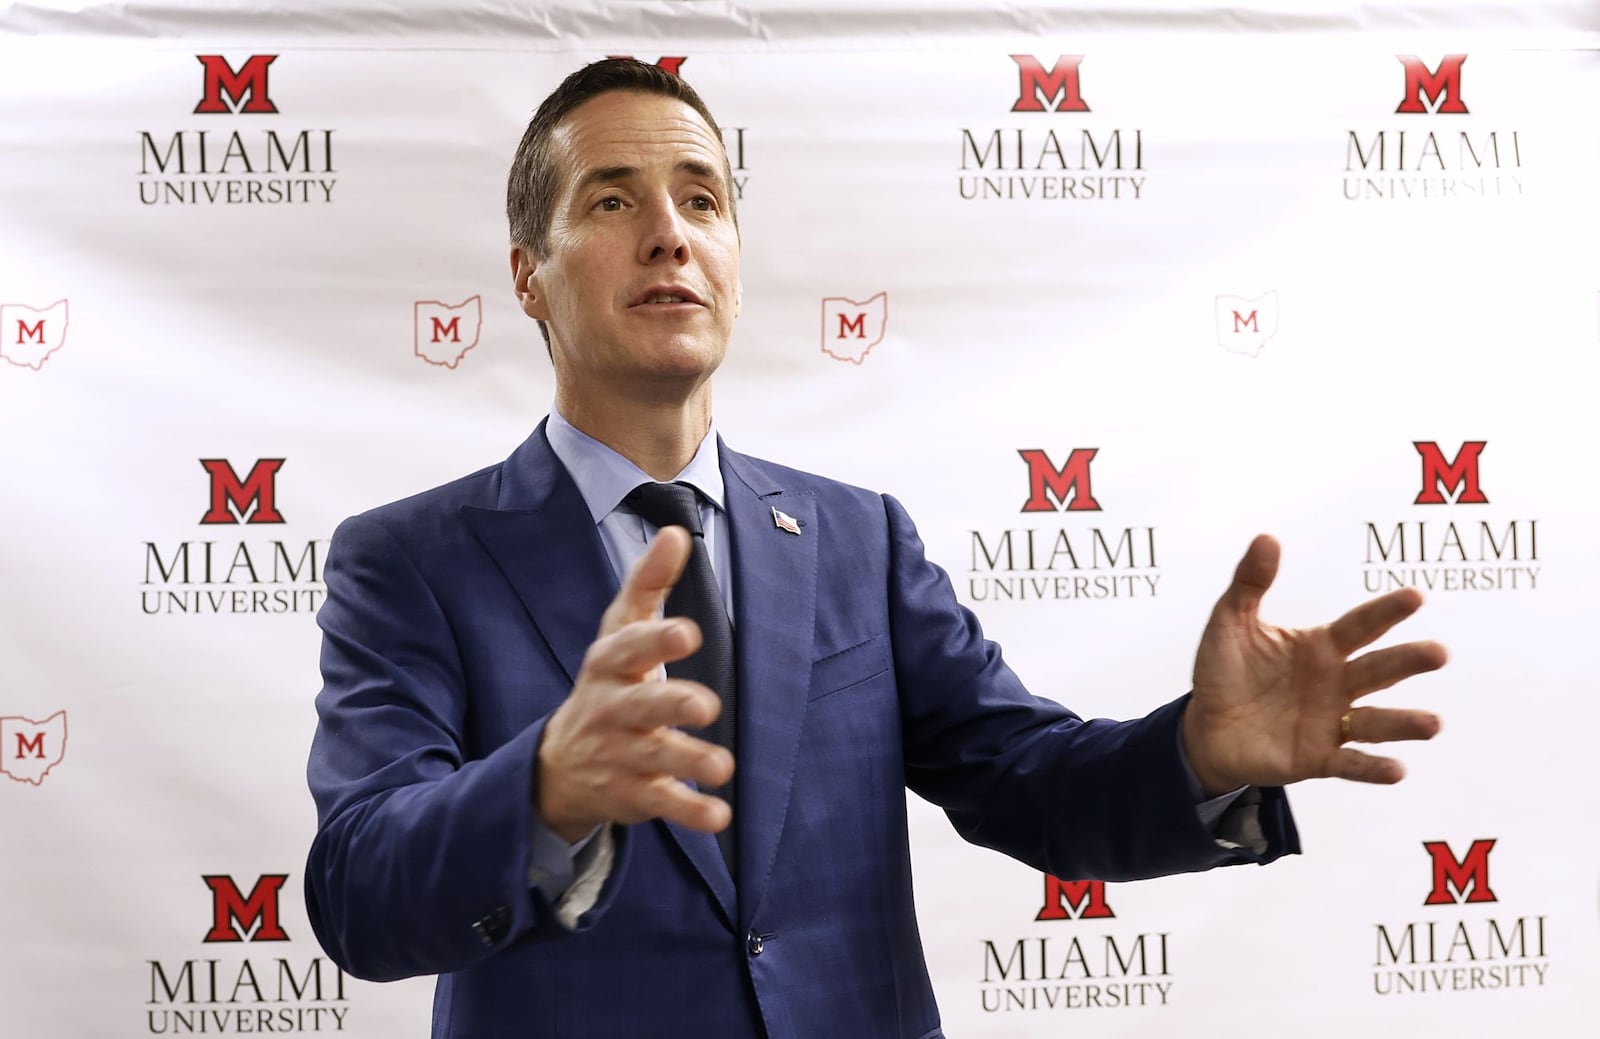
{"points": [[1369, 621], [1365, 768], [1253, 576], [670, 702], [1389, 724], [662, 797], [635, 649], [1382, 668], [675, 753], [650, 579]]}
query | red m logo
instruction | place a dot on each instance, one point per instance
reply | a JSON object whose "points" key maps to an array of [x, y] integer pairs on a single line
{"points": [[1441, 88], [26, 331], [1472, 870], [1074, 900], [233, 915], [1070, 481], [671, 65], [1461, 475], [222, 80], [451, 328], [856, 323], [1039, 88], [258, 490], [40, 746], [1246, 322]]}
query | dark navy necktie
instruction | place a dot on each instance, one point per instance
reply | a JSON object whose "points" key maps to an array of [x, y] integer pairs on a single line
{"points": [[698, 597]]}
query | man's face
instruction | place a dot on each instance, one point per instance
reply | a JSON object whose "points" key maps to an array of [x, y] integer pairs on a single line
{"points": [[640, 288]]}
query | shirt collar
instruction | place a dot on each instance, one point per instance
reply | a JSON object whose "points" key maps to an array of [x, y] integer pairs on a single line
{"points": [[604, 477]]}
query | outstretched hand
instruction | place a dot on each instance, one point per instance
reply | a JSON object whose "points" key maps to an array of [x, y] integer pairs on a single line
{"points": [[614, 751], [1273, 706]]}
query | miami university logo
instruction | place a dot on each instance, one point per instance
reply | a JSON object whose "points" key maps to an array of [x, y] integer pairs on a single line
{"points": [[1074, 900], [1068, 485], [30, 749], [851, 327], [234, 916], [442, 333], [1459, 880], [1432, 91], [242, 92], [29, 335], [253, 499], [1055, 90], [1459, 478], [1245, 325], [671, 65]]}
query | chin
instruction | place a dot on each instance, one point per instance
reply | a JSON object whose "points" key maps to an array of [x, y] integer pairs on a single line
{"points": [[686, 356]]}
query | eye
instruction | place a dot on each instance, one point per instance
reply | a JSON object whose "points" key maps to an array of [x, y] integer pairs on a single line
{"points": [[609, 204], [704, 203]]}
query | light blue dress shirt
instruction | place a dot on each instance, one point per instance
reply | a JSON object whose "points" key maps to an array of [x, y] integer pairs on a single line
{"points": [[604, 478]]}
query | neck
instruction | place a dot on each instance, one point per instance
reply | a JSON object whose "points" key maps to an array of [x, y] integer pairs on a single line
{"points": [[658, 436]]}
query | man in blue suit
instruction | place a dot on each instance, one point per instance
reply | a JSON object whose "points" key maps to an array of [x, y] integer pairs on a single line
{"points": [[513, 796]]}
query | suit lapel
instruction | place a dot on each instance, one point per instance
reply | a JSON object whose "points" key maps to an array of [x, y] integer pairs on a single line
{"points": [[702, 852], [544, 540], [775, 584]]}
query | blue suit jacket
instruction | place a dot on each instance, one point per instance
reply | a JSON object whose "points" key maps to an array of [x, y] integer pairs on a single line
{"points": [[454, 625]]}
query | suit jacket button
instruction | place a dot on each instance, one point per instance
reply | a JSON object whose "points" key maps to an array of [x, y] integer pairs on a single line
{"points": [[754, 943], [493, 927]]}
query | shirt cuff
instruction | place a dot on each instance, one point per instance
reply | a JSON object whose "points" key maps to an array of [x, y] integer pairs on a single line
{"points": [[570, 875], [592, 867], [1234, 819]]}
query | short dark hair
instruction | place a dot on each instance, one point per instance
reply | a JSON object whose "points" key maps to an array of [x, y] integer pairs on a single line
{"points": [[534, 182]]}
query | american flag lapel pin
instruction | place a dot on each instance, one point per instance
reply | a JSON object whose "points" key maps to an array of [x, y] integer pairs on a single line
{"points": [[784, 521]]}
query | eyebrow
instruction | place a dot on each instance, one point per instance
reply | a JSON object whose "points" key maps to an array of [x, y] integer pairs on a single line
{"points": [[613, 174]]}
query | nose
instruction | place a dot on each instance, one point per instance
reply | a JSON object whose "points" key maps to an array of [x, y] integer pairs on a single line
{"points": [[664, 236]]}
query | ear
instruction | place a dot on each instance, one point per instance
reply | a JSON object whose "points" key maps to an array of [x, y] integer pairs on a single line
{"points": [[738, 296], [525, 283]]}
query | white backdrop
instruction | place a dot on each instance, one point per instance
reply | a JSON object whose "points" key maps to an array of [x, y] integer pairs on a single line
{"points": [[1298, 311]]}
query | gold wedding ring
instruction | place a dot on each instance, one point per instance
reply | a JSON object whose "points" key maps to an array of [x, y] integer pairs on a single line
{"points": [[1344, 727]]}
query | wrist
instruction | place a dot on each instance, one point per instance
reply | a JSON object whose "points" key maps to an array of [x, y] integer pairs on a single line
{"points": [[555, 811], [552, 804], [1213, 781]]}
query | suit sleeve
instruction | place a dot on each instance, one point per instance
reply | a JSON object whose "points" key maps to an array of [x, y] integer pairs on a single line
{"points": [[420, 863], [1077, 799]]}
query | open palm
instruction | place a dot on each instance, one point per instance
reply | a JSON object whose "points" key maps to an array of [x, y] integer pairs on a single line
{"points": [[1275, 705]]}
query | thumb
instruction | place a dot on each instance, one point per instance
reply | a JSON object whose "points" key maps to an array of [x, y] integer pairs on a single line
{"points": [[1253, 576], [650, 580]]}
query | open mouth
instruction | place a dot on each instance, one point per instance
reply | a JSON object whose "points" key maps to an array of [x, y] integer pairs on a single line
{"points": [[666, 296]]}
